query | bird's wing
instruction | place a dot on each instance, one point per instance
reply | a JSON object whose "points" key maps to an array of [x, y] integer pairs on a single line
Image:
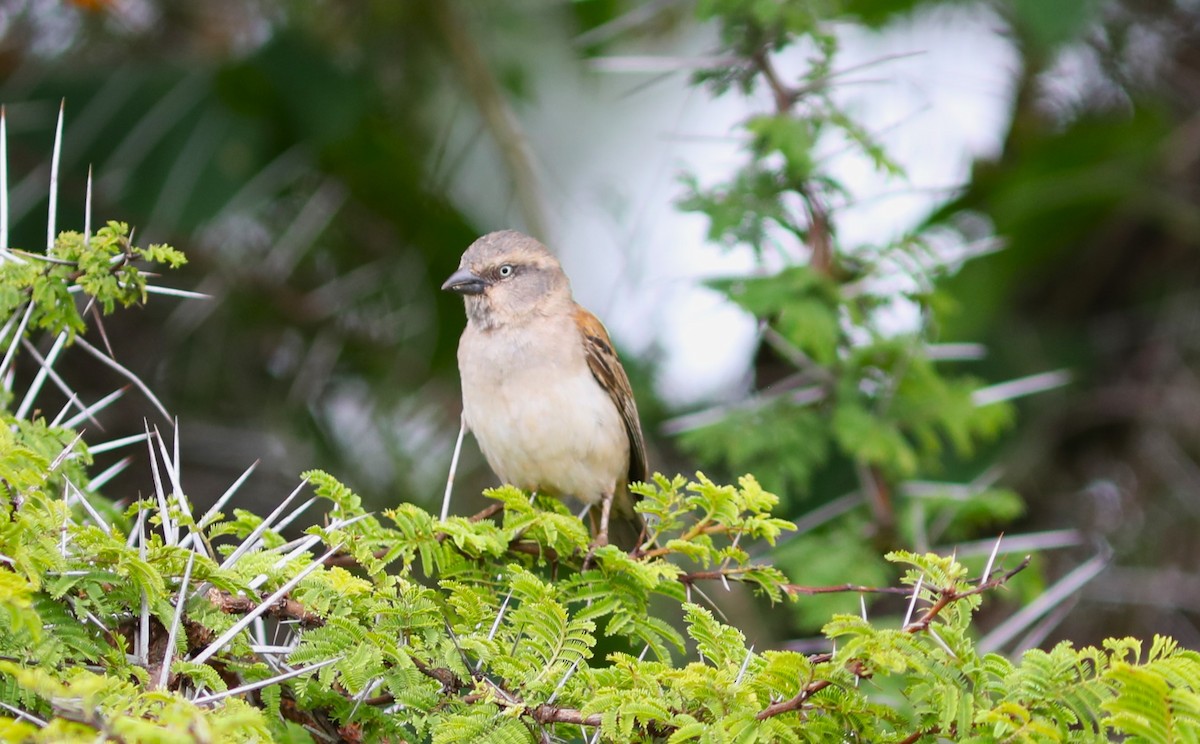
{"points": [[607, 370]]}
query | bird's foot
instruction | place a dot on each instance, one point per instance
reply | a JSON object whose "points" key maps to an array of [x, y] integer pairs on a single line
{"points": [[601, 538], [599, 541]]}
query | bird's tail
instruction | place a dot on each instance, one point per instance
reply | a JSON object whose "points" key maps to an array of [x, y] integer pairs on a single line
{"points": [[626, 527]]}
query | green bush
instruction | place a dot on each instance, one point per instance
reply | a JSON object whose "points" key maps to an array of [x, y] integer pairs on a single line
{"points": [[155, 624]]}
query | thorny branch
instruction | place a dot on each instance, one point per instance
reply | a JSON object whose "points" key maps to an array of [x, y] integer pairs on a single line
{"points": [[793, 703], [737, 574], [948, 596], [547, 713], [916, 735], [283, 609]]}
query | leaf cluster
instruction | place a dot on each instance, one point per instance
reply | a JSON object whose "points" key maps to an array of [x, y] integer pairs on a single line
{"points": [[102, 266]]}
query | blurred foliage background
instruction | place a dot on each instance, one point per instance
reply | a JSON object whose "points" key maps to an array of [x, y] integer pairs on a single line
{"points": [[323, 165]]}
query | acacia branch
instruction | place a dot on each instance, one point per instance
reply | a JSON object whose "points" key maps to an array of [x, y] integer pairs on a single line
{"points": [[347, 560], [794, 703], [450, 681], [703, 527], [91, 719], [737, 574], [948, 596], [530, 547], [544, 713], [917, 735], [553, 714], [284, 608], [794, 589]]}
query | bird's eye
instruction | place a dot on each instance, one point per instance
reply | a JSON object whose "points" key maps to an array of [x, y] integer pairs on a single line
{"points": [[506, 270]]}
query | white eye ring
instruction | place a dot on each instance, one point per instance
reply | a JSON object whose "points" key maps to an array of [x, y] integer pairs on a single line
{"points": [[506, 270]]}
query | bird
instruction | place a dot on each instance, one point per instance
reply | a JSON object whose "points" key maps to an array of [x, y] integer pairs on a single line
{"points": [[543, 391]]}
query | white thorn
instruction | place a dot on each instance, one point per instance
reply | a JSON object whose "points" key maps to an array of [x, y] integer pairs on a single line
{"points": [[942, 643], [62, 537], [90, 411], [299, 510], [87, 210], [166, 664], [143, 651], [987, 570], [43, 370], [360, 697], [54, 160], [103, 525], [171, 291], [66, 453], [113, 444], [112, 363], [462, 430], [172, 465], [109, 473], [1021, 387], [22, 714], [263, 606], [20, 334], [252, 540], [206, 699], [745, 665], [912, 605], [170, 533], [216, 507], [46, 369], [137, 528], [72, 400], [561, 682]]}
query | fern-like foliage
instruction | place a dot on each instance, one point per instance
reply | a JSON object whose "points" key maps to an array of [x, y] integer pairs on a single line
{"points": [[488, 629]]}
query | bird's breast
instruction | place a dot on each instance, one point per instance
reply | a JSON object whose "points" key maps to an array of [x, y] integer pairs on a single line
{"points": [[541, 419]]}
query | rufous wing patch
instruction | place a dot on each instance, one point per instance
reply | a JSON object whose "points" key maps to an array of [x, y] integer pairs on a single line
{"points": [[607, 369]]}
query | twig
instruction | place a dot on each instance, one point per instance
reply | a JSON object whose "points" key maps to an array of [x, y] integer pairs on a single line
{"points": [[554, 714], [285, 608], [793, 703], [856, 588], [918, 735], [529, 547], [949, 596]]}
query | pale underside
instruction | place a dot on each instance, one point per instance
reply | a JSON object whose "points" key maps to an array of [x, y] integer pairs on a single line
{"points": [[541, 427]]}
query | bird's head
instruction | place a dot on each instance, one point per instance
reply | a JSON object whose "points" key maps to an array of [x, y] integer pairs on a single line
{"points": [[507, 277]]}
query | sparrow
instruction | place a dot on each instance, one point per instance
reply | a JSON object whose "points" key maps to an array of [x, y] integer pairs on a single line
{"points": [[542, 389]]}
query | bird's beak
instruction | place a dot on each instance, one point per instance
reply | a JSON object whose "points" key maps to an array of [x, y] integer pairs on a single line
{"points": [[463, 282]]}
